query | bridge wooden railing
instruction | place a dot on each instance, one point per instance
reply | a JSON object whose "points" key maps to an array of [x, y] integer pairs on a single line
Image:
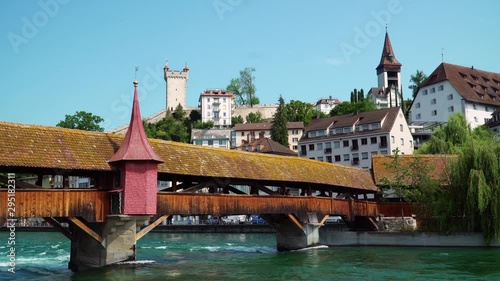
{"points": [[94, 205], [91, 204]]}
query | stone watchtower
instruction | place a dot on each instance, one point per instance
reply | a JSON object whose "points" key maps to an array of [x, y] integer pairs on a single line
{"points": [[176, 87]]}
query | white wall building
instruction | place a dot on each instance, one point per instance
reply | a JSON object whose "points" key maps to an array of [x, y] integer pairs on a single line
{"points": [[494, 123], [219, 138], [176, 87], [245, 133], [453, 88], [388, 93], [351, 140], [217, 106], [326, 105]]}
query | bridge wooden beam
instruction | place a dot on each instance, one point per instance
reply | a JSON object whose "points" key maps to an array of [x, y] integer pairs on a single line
{"points": [[148, 228], [267, 190], [64, 230], [235, 190], [76, 221], [296, 222]]}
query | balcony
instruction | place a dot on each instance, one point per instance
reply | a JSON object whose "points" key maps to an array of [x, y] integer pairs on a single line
{"points": [[383, 145], [216, 109], [328, 150], [216, 101], [354, 148]]}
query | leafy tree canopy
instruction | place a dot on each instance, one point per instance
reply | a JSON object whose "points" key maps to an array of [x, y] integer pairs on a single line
{"points": [[417, 79], [297, 111], [243, 88], [351, 107], [279, 130], [254, 117], [83, 121]]}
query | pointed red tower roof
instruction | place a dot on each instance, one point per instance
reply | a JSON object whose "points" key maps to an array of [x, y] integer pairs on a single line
{"points": [[388, 61], [135, 146]]}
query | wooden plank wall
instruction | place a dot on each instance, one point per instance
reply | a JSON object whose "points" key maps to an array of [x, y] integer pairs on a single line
{"points": [[91, 204]]}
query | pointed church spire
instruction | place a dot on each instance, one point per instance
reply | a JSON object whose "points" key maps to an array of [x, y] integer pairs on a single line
{"points": [[135, 146], [388, 60]]}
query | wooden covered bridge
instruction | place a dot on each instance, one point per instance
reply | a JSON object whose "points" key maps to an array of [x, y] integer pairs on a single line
{"points": [[104, 221]]}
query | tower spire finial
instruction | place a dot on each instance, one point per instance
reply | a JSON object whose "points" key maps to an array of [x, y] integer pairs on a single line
{"points": [[135, 74], [386, 28], [442, 54]]}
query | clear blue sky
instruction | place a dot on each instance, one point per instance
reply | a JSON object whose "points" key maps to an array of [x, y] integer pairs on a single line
{"points": [[80, 55]]}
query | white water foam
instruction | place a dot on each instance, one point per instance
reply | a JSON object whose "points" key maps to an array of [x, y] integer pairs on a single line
{"points": [[312, 248], [161, 247], [138, 262]]}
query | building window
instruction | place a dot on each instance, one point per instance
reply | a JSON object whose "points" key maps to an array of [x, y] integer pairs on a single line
{"points": [[433, 101], [475, 119], [401, 127], [295, 140], [375, 126], [347, 130], [383, 152], [440, 87], [337, 158], [311, 146], [303, 150], [402, 141], [425, 92], [345, 143], [338, 131], [392, 139], [319, 146], [433, 90], [210, 142], [329, 159], [450, 96], [295, 147], [373, 140], [208, 114], [364, 155], [451, 109], [328, 145], [365, 127], [486, 108], [320, 158], [434, 113], [295, 132], [242, 134], [346, 157], [383, 141], [364, 141], [417, 105], [374, 153], [257, 148], [224, 114], [336, 144], [355, 145], [418, 116], [473, 106], [411, 143], [208, 99], [355, 158]]}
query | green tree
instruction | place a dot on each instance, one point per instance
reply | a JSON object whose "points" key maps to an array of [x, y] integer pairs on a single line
{"points": [[299, 111], [243, 87], [168, 128], [417, 79], [179, 114], [236, 120], [345, 107], [254, 117], [279, 130], [361, 95], [82, 120], [202, 125], [471, 199]]}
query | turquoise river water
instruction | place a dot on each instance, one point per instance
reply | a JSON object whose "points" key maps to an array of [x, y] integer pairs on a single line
{"points": [[210, 256]]}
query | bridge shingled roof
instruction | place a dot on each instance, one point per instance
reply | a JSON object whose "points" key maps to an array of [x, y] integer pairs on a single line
{"points": [[36, 146]]}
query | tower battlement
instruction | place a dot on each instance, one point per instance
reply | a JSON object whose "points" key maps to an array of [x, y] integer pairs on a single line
{"points": [[176, 87]]}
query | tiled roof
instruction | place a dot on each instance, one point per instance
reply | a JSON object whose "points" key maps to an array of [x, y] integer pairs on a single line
{"points": [[472, 84], [389, 116], [388, 59], [436, 163], [58, 148], [267, 145], [266, 126], [217, 92]]}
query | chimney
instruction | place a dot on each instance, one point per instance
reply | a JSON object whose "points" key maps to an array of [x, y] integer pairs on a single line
{"points": [[261, 134]]}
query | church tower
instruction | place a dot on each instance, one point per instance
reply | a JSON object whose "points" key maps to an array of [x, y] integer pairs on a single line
{"points": [[176, 87], [389, 74]]}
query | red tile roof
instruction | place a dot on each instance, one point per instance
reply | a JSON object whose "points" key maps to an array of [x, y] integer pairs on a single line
{"points": [[216, 92], [472, 84], [34, 146], [436, 163], [388, 61], [267, 145]]}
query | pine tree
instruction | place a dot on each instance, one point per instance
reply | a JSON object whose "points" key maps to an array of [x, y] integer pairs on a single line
{"points": [[279, 131]]}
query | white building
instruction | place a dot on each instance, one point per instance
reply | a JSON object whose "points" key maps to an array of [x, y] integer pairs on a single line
{"points": [[217, 106], [220, 138], [245, 133], [176, 82], [388, 93], [454, 88], [326, 105], [494, 123], [351, 140]]}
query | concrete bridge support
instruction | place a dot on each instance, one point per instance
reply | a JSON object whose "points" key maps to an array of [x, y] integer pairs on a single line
{"points": [[99, 244], [294, 234]]}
